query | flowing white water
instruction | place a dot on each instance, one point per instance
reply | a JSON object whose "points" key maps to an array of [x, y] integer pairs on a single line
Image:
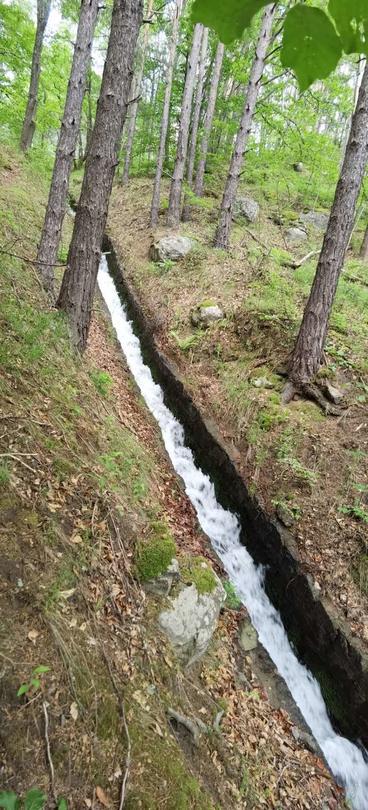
{"points": [[222, 527]]}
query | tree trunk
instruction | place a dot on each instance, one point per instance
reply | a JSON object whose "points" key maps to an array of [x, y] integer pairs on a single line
{"points": [[155, 205], [136, 89], [208, 120], [236, 163], [196, 117], [68, 136], [29, 123], [78, 285], [173, 215], [310, 342], [363, 253]]}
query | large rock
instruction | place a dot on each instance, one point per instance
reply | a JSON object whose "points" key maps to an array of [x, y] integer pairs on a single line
{"points": [[173, 248], [295, 235], [191, 620], [204, 316], [162, 584], [317, 219], [246, 208]]}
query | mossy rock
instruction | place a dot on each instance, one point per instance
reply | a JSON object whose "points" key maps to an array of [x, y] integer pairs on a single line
{"points": [[196, 571], [154, 556]]}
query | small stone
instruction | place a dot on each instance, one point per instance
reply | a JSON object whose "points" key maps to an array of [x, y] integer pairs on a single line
{"points": [[296, 235], [172, 248], [343, 598], [332, 393], [262, 382], [317, 219], [204, 316], [246, 208], [285, 515], [248, 637], [298, 167]]}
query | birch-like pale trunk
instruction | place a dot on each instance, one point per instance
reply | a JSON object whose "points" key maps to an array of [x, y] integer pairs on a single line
{"points": [[79, 281], [196, 117], [135, 96], [173, 214], [155, 205], [67, 143], [307, 355], [208, 121], [223, 229], [29, 123]]}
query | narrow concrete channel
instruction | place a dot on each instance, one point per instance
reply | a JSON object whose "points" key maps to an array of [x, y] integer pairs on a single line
{"points": [[225, 528]]}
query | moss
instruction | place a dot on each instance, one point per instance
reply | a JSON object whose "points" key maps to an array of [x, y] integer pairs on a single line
{"points": [[197, 571], [154, 557]]}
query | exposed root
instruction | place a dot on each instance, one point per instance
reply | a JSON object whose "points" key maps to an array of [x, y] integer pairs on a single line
{"points": [[309, 391], [193, 726]]}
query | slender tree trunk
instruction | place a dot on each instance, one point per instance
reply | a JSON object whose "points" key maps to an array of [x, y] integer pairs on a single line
{"points": [[173, 215], [78, 285], [136, 89], [310, 342], [68, 136], [209, 120], [224, 225], [155, 205], [29, 123], [196, 117], [363, 253]]}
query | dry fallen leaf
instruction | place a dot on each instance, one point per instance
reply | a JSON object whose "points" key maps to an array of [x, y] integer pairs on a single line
{"points": [[32, 635], [74, 711], [102, 798]]}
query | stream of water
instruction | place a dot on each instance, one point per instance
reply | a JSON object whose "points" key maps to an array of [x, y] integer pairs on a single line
{"points": [[345, 759]]}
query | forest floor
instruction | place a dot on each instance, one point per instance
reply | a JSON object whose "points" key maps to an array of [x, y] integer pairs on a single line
{"points": [[309, 469], [84, 481]]}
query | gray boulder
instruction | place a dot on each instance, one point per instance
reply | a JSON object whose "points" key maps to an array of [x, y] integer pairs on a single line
{"points": [[317, 219], [204, 316], [246, 208], [295, 236], [171, 248], [191, 620], [162, 585], [248, 638]]}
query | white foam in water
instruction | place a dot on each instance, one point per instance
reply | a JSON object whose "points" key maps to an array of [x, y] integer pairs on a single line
{"points": [[344, 758]]}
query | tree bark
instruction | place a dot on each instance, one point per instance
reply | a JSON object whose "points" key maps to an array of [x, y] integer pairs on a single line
{"points": [[209, 120], [68, 136], [136, 89], [364, 247], [155, 205], [78, 285], [173, 215], [310, 342], [29, 123], [196, 117], [236, 163]]}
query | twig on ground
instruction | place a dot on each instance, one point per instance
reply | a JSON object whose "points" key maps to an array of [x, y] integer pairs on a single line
{"points": [[48, 750], [19, 460], [128, 758]]}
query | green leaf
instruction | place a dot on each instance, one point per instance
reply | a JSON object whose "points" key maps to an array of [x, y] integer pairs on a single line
{"points": [[62, 804], [351, 19], [40, 670], [36, 683], [34, 799], [23, 689], [8, 800], [229, 18], [311, 47]]}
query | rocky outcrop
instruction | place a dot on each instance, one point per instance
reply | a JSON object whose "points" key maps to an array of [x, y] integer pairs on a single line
{"points": [[317, 219], [172, 248], [246, 208], [191, 620], [205, 315], [295, 236]]}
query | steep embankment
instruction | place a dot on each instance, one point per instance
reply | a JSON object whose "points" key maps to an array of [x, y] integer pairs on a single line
{"points": [[84, 485], [308, 470]]}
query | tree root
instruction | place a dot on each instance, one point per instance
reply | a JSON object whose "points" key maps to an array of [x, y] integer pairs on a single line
{"points": [[309, 391], [195, 727]]}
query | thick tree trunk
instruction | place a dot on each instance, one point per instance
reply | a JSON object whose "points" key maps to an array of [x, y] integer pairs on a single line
{"points": [[155, 205], [308, 350], [173, 215], [209, 120], [78, 285], [364, 247], [29, 123], [196, 117], [223, 228], [68, 136], [136, 89]]}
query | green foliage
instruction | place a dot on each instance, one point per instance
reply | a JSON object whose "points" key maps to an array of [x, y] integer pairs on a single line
{"points": [[232, 600], [101, 380], [286, 455], [188, 342], [351, 20], [197, 571], [311, 46], [154, 555], [34, 799], [4, 474], [34, 684], [227, 20]]}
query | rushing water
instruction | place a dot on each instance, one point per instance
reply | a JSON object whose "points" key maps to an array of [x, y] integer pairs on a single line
{"points": [[345, 759]]}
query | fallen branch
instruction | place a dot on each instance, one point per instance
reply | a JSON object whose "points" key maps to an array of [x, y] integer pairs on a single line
{"points": [[294, 264], [19, 460], [191, 725], [355, 279], [48, 750], [256, 239], [31, 261]]}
